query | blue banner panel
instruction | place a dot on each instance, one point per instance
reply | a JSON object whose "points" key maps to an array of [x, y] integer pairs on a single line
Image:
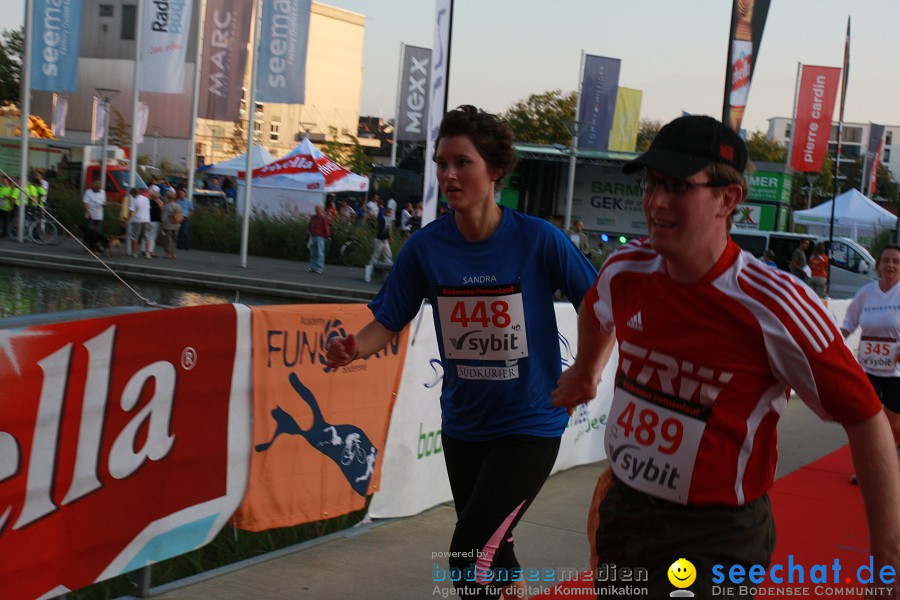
{"points": [[284, 35], [55, 42], [598, 101]]}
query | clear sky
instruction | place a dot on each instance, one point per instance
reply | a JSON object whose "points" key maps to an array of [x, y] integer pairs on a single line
{"points": [[673, 50]]}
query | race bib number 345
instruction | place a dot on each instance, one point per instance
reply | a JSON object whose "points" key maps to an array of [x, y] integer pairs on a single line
{"points": [[483, 322]]}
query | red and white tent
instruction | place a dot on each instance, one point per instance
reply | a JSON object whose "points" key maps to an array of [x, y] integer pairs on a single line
{"points": [[297, 182]]}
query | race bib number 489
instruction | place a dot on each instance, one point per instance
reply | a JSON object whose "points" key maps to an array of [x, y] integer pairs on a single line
{"points": [[483, 322]]}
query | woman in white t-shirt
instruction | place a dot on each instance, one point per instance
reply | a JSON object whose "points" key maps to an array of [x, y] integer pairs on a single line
{"points": [[876, 311]]}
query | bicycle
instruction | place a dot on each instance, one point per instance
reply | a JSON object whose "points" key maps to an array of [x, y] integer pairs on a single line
{"points": [[41, 229], [352, 449], [351, 252]]}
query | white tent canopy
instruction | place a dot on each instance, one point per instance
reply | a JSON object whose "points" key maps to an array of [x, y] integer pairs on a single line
{"points": [[298, 182], [855, 216], [233, 166]]}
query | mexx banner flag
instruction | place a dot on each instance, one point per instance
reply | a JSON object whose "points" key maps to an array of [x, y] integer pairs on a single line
{"points": [[284, 35], [815, 107], [748, 19], [55, 42], [626, 120], [225, 35], [598, 101], [413, 102], [167, 25]]}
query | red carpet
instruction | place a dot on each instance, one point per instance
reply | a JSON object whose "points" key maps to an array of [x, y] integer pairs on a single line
{"points": [[819, 518]]}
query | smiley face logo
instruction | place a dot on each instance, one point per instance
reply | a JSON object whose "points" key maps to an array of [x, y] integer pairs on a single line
{"points": [[682, 573]]}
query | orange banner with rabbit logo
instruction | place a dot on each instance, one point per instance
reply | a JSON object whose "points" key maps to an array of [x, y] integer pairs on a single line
{"points": [[318, 433]]}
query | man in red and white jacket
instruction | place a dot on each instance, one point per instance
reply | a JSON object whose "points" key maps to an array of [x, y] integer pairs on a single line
{"points": [[318, 231], [710, 343]]}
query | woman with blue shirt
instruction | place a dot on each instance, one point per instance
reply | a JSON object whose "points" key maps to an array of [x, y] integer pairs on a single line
{"points": [[490, 274]]}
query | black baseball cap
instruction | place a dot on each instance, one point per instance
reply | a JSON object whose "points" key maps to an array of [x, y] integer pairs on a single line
{"points": [[688, 144]]}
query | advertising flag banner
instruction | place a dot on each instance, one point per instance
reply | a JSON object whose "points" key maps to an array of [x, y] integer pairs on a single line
{"points": [[167, 27], [98, 122], [748, 20], [127, 443], [437, 89], [140, 122], [284, 36], [815, 106], [415, 78], [626, 120], [55, 43], [598, 101], [60, 111], [224, 58], [873, 155], [318, 433]]}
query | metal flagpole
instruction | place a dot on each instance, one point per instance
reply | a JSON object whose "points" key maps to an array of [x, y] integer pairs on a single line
{"points": [[135, 93], [25, 95], [397, 112], [837, 158], [573, 151], [251, 123], [195, 105]]}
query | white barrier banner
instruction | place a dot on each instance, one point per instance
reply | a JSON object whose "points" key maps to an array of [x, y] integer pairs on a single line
{"points": [[413, 476]]}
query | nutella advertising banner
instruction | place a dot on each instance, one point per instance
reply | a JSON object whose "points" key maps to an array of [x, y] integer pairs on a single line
{"points": [[164, 41], [284, 35], [415, 76], [748, 20], [123, 441], [318, 434], [224, 58], [816, 97]]}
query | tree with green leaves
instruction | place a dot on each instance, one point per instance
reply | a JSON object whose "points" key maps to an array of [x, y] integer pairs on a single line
{"points": [[543, 118], [885, 185], [762, 149], [647, 130], [353, 157], [11, 52]]}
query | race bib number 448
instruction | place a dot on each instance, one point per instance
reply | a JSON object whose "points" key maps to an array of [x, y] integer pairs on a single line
{"points": [[483, 322]]}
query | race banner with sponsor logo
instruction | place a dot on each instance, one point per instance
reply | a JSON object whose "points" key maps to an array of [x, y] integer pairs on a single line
{"points": [[815, 107], [415, 78], [607, 200], [224, 58], [55, 43], [284, 36], [873, 157], [626, 120], [164, 41], [128, 443], [598, 101], [748, 20], [318, 433], [414, 476]]}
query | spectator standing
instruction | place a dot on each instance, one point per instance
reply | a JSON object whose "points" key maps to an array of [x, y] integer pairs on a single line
{"points": [[9, 195], [156, 205], [318, 231], [818, 271], [187, 213], [171, 221], [140, 223], [405, 217], [799, 262], [94, 200], [381, 249], [580, 238], [769, 258]]}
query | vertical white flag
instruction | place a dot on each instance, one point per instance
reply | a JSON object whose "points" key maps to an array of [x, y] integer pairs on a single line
{"points": [[140, 123], [167, 24], [98, 124], [440, 56], [60, 111]]}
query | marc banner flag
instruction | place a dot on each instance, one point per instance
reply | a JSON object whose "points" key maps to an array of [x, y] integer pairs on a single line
{"points": [[437, 90], [224, 58], [815, 106], [55, 43], [318, 434], [283, 38], [166, 30], [748, 20], [60, 111], [412, 110], [127, 443], [873, 156], [598, 101], [626, 120]]}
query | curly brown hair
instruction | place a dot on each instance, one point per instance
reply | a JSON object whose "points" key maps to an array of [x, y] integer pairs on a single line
{"points": [[491, 136]]}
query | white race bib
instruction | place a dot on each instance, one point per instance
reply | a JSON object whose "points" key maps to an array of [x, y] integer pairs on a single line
{"points": [[652, 440], [483, 322], [878, 353]]}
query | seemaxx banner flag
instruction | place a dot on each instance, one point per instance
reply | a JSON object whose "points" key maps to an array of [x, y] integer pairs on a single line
{"points": [[55, 43], [284, 35]]}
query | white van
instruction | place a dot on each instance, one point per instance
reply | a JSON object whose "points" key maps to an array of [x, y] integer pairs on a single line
{"points": [[851, 265]]}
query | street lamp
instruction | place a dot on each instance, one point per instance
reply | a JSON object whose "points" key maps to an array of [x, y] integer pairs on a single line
{"points": [[104, 93], [571, 125]]}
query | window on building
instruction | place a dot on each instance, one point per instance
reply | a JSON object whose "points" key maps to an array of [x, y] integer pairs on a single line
{"points": [[888, 138], [273, 132], [787, 131], [886, 156], [257, 127], [106, 10], [852, 135], [259, 107], [129, 20]]}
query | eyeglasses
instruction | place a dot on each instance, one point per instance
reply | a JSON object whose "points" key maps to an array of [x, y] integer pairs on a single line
{"points": [[675, 186]]}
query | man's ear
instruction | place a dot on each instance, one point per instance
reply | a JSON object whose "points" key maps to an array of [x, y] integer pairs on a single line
{"points": [[732, 195]]}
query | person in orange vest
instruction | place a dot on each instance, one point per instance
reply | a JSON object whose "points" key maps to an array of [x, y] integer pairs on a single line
{"points": [[818, 267]]}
